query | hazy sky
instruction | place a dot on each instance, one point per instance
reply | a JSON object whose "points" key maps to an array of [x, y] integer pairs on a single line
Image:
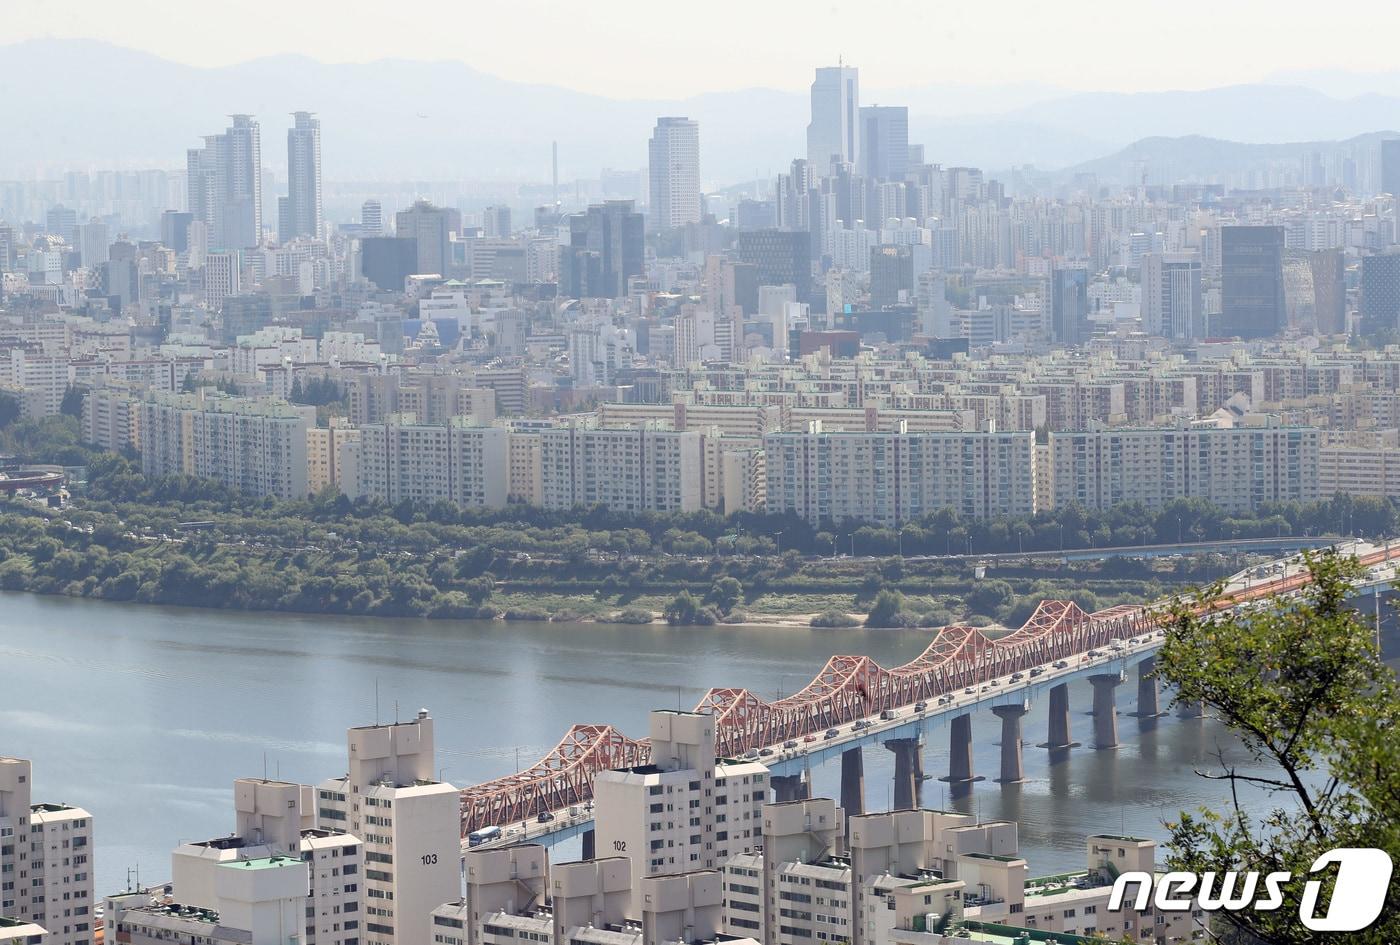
{"points": [[665, 48]]}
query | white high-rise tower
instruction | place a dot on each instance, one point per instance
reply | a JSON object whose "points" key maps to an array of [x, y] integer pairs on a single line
{"points": [[833, 136], [674, 152]]}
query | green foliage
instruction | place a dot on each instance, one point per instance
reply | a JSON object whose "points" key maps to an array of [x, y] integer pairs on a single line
{"points": [[633, 615], [685, 610], [829, 619], [72, 404], [887, 611], [1300, 681], [725, 594]]}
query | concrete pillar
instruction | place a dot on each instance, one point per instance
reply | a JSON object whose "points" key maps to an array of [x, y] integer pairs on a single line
{"points": [[787, 787], [852, 781], [960, 749], [1012, 769], [590, 839], [1148, 706], [908, 772], [1105, 710], [1058, 739], [1190, 710]]}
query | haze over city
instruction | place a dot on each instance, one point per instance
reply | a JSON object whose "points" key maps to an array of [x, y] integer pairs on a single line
{"points": [[644, 474]]}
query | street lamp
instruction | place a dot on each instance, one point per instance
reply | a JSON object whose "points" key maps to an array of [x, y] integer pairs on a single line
{"points": [[779, 536]]}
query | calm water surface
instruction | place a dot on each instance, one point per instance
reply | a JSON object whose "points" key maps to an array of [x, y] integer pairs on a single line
{"points": [[146, 715]]}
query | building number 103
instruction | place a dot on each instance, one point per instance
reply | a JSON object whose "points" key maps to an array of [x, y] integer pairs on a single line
{"points": [[429, 859]]}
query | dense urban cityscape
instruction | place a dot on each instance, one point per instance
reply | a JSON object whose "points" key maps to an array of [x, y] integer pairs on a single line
{"points": [[1095, 470]]}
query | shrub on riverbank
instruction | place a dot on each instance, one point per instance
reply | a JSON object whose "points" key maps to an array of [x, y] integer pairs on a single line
{"points": [[834, 619]]}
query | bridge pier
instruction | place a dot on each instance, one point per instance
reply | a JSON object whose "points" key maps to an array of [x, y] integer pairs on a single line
{"points": [[852, 781], [908, 772], [1105, 710], [788, 787], [1148, 706], [590, 844], [960, 777], [1058, 735], [1190, 709], [1012, 768]]}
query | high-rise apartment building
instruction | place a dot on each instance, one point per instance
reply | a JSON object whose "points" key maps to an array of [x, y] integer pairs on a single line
{"points": [[273, 825], [645, 470], [433, 228], [224, 180], [1069, 305], [255, 445], [429, 462], [833, 135], [303, 217], [409, 822], [685, 811], [897, 477], [1171, 296], [884, 143], [674, 166], [1235, 468], [45, 860], [1251, 296]]}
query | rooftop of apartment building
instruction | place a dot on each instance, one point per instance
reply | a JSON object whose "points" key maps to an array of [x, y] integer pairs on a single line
{"points": [[263, 863]]}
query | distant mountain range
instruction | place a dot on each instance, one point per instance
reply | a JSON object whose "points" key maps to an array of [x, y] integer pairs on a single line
{"points": [[85, 104]]}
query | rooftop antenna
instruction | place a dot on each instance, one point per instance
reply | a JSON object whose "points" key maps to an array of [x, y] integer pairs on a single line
{"points": [[556, 175], [264, 766], [396, 712], [376, 700]]}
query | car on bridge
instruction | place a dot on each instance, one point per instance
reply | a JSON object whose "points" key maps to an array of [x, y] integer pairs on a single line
{"points": [[920, 706], [832, 733], [790, 743]]}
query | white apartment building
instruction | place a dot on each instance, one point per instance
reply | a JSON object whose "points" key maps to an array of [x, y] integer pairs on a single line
{"points": [[684, 811], [643, 470], [112, 419], [514, 894], [894, 477], [450, 462], [273, 819], [256, 445], [45, 860], [20, 932], [1236, 468], [270, 347], [912, 877], [408, 821], [258, 901]]}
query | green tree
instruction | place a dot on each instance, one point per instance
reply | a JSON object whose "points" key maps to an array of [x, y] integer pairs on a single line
{"points": [[685, 610], [1301, 683], [887, 611], [726, 593]]}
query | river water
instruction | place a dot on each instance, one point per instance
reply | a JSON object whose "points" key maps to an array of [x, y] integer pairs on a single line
{"points": [[146, 715]]}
